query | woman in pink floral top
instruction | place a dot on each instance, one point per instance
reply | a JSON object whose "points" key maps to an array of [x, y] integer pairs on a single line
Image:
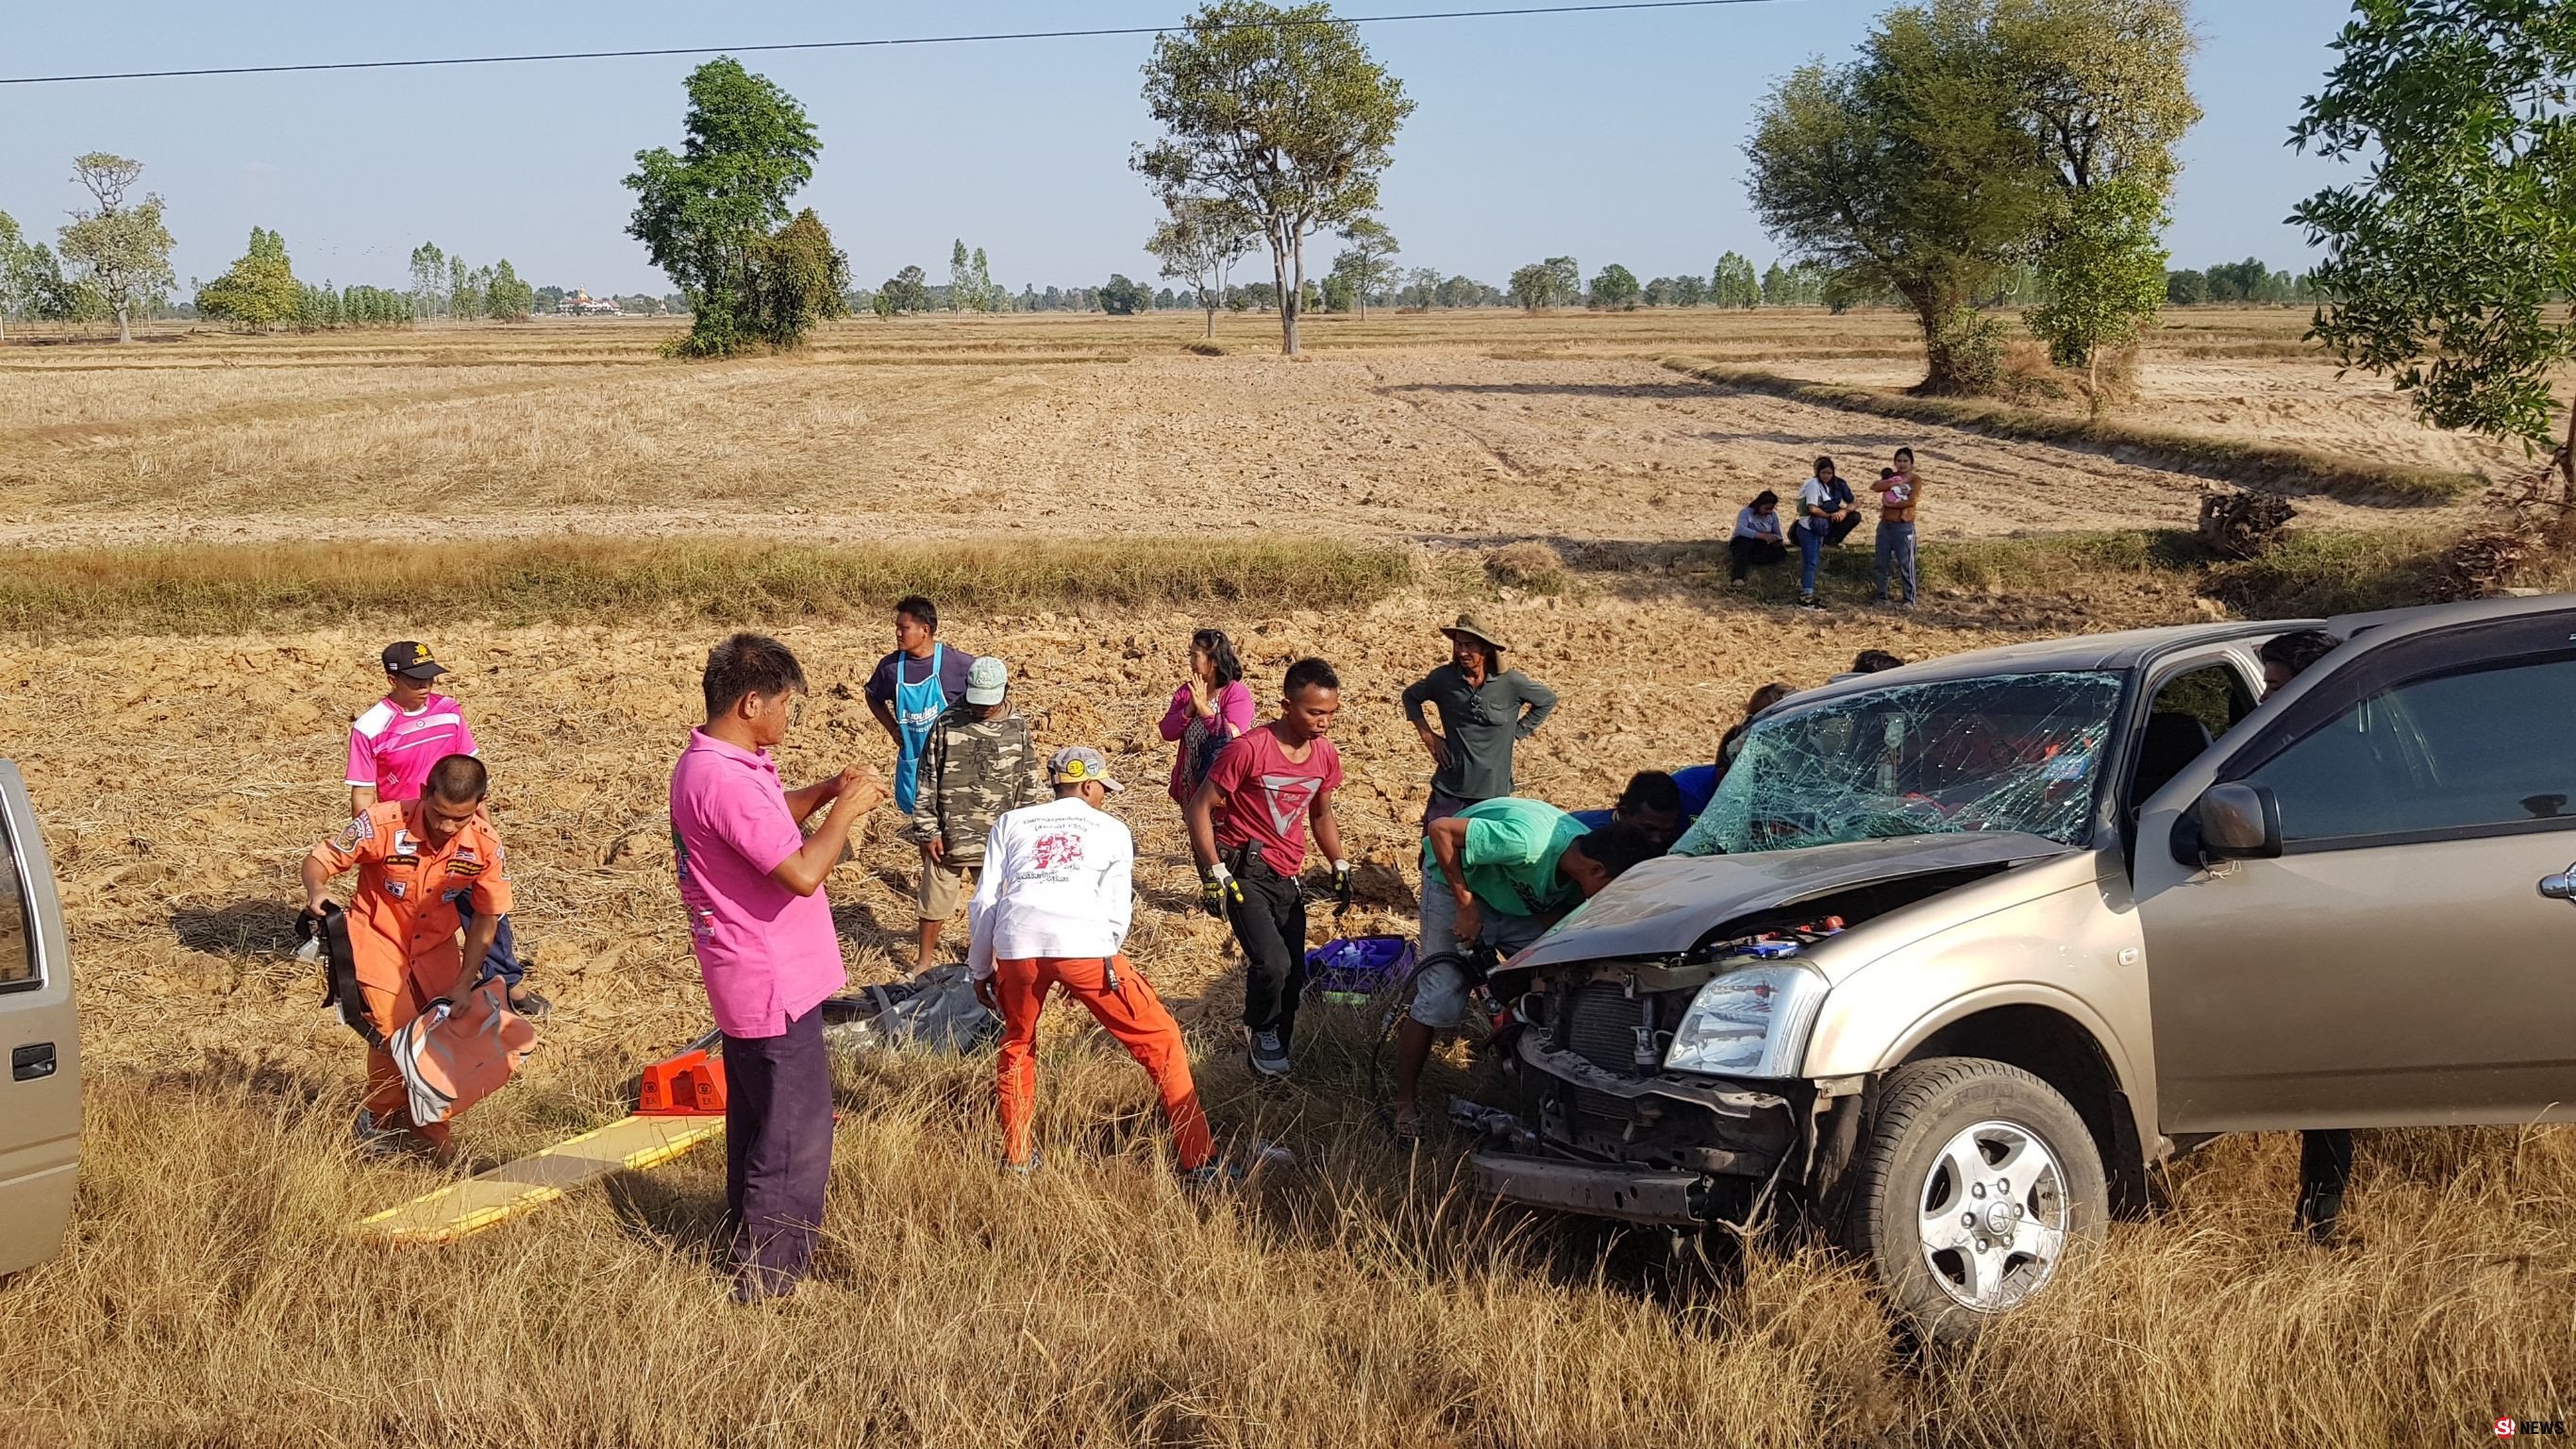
{"points": [[1213, 707]]}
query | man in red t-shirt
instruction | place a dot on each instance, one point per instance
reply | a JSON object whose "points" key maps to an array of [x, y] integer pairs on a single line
{"points": [[1270, 785]]}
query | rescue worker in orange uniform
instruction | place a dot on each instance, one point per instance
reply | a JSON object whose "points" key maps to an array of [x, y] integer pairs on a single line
{"points": [[414, 859]]}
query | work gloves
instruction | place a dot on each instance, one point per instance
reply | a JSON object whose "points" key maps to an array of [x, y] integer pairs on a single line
{"points": [[1219, 889]]}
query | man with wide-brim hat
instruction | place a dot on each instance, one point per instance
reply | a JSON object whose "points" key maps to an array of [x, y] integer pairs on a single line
{"points": [[1485, 709]]}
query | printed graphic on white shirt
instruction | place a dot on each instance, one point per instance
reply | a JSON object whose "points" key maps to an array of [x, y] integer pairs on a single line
{"points": [[1060, 848]]}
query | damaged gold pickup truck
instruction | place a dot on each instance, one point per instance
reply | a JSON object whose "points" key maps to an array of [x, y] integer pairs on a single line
{"points": [[1972, 944]]}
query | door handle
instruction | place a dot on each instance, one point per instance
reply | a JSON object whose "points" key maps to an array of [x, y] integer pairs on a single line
{"points": [[2560, 887], [31, 1063]]}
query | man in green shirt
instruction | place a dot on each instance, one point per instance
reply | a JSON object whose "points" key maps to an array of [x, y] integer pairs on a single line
{"points": [[1501, 872], [1484, 710]]}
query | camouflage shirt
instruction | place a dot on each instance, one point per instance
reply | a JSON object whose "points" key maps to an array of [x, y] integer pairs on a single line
{"points": [[972, 770]]}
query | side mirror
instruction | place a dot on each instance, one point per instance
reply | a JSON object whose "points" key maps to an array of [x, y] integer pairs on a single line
{"points": [[2235, 822]]}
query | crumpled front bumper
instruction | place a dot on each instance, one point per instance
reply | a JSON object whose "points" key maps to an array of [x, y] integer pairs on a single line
{"points": [[1670, 1196], [1664, 1148]]}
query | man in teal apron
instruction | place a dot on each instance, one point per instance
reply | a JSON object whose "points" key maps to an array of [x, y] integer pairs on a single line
{"points": [[912, 686]]}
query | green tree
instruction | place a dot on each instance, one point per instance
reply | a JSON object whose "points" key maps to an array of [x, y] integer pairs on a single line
{"points": [[1199, 242], [1615, 290], [259, 292], [961, 279], [702, 213], [905, 291], [1569, 278], [2104, 277], [1281, 112], [428, 279], [36, 281], [2444, 268], [1910, 170], [1733, 284], [797, 279], [2106, 85], [1533, 286], [506, 297], [1370, 256], [1123, 298], [12, 244], [121, 248]]}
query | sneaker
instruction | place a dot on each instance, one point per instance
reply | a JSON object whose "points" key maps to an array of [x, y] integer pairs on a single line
{"points": [[1269, 1054], [1025, 1170], [1211, 1175], [1810, 601], [530, 1005]]}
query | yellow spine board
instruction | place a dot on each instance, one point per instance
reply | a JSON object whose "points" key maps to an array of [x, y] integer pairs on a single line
{"points": [[629, 1144]]}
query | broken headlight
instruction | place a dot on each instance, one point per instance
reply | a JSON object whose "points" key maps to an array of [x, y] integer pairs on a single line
{"points": [[1749, 1023]]}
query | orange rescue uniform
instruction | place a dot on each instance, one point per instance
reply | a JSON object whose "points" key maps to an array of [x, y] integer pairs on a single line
{"points": [[403, 923], [1133, 1014]]}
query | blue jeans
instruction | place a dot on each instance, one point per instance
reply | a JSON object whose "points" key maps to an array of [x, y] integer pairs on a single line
{"points": [[1896, 551], [1812, 536], [502, 960]]}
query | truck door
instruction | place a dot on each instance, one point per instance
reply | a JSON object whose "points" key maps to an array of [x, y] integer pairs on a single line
{"points": [[2404, 960], [40, 1098]]}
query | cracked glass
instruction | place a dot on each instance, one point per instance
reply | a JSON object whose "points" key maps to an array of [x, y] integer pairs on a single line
{"points": [[2017, 752]]}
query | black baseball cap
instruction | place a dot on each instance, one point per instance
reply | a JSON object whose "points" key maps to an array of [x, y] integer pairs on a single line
{"points": [[411, 660]]}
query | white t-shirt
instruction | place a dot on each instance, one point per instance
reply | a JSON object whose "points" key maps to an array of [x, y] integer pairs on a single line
{"points": [[1058, 881]]}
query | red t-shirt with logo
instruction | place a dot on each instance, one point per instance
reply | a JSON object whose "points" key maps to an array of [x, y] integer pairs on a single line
{"points": [[1268, 795]]}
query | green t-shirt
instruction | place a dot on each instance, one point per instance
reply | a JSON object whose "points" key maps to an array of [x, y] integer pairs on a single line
{"points": [[1510, 856]]}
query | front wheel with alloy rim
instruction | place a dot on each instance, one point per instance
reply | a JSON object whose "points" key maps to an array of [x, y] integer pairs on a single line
{"points": [[1976, 1184]]}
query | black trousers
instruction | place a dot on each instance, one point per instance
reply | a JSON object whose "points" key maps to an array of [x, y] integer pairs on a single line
{"points": [[1270, 925], [2325, 1169], [778, 1153], [1747, 554]]}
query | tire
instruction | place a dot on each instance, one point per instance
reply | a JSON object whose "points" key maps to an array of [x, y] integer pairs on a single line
{"points": [[1934, 1206]]}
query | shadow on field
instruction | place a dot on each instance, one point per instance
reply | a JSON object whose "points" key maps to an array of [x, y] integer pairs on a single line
{"points": [[258, 925], [1557, 389], [297, 1079]]}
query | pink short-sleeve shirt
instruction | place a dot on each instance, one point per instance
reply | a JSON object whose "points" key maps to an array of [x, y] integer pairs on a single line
{"points": [[393, 751], [766, 953]]}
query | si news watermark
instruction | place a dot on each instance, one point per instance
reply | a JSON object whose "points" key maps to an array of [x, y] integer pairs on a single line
{"points": [[2516, 1428]]}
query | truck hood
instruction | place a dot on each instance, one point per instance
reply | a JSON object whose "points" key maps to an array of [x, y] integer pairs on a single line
{"points": [[1669, 905]]}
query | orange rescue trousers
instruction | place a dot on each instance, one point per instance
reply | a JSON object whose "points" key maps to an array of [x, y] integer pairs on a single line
{"points": [[388, 1100], [1132, 1013]]}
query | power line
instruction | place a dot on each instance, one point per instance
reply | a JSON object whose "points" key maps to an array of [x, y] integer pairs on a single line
{"points": [[879, 43]]}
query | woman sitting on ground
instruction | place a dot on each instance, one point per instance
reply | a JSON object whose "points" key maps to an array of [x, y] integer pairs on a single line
{"points": [[1758, 541]]}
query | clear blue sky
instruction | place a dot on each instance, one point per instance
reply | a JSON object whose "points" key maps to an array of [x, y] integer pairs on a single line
{"points": [[1614, 137]]}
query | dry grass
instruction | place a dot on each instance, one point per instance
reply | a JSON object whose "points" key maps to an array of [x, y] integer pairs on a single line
{"points": [[2237, 460], [1354, 1299], [227, 589]]}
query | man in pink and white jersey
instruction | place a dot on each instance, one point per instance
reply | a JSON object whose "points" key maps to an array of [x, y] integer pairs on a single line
{"points": [[393, 744], [391, 749]]}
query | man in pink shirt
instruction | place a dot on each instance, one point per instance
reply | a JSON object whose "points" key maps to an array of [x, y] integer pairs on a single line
{"points": [[752, 882], [391, 748]]}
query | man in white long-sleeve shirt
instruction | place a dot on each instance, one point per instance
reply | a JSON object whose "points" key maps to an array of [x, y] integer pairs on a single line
{"points": [[1052, 909]]}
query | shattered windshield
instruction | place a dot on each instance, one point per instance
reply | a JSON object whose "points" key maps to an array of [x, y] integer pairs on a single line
{"points": [[2010, 752]]}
